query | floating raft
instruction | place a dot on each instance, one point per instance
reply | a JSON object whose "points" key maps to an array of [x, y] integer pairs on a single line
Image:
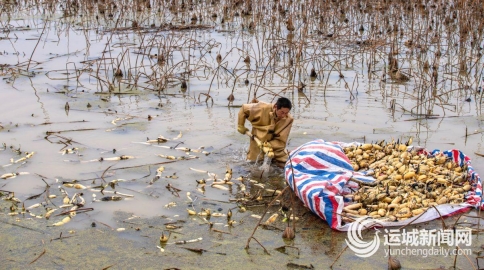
{"points": [[322, 176]]}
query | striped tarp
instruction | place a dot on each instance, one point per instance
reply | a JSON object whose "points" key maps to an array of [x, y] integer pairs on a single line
{"points": [[320, 175]]}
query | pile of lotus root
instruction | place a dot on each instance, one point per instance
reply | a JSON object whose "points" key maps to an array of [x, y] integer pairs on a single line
{"points": [[408, 181]]}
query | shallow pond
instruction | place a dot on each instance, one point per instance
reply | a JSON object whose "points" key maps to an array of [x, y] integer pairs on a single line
{"points": [[60, 93]]}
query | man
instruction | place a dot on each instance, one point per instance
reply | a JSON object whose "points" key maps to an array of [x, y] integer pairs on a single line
{"points": [[271, 123]]}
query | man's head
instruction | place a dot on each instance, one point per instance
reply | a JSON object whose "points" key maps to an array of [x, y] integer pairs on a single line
{"points": [[282, 107]]}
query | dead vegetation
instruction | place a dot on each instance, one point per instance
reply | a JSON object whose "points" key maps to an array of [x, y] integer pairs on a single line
{"points": [[432, 47]]}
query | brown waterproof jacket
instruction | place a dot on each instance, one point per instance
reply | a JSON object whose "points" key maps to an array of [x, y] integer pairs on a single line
{"points": [[266, 127]]}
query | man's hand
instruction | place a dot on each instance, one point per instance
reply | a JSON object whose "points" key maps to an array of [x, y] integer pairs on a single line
{"points": [[267, 144], [242, 129], [266, 147]]}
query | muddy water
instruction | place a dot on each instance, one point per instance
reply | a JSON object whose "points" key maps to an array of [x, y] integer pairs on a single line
{"points": [[73, 60]]}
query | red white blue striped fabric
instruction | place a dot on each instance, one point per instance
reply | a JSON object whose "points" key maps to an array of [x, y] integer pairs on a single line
{"points": [[320, 172]]}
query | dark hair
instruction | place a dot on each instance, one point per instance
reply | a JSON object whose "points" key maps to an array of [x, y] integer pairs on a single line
{"points": [[283, 102]]}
